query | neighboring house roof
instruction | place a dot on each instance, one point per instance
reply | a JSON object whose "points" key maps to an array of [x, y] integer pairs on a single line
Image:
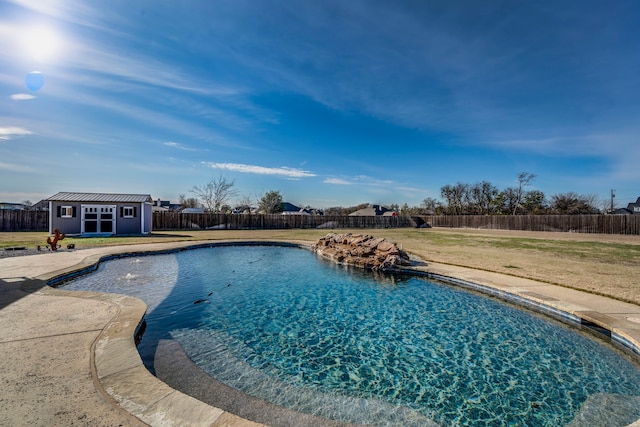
{"points": [[621, 211], [372, 210], [192, 210], [312, 211], [162, 203], [100, 198], [300, 212], [11, 206], [42, 205], [289, 207], [634, 207]]}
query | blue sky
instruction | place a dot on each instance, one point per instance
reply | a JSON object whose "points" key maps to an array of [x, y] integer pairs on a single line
{"points": [[332, 103]]}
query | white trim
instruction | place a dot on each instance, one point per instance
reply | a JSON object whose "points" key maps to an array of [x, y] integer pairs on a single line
{"points": [[98, 219], [142, 230], [64, 211], [124, 211], [51, 217]]}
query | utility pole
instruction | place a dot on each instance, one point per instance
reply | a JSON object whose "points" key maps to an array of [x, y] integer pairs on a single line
{"points": [[613, 194]]}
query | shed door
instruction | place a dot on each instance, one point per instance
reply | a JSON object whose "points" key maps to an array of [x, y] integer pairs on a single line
{"points": [[98, 219]]}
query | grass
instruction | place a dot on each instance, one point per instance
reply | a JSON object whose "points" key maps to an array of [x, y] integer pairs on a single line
{"points": [[33, 239], [603, 264]]}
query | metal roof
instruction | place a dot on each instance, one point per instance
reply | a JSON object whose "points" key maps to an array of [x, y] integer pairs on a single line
{"points": [[100, 197]]}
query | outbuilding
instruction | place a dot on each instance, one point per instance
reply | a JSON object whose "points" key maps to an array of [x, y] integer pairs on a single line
{"points": [[91, 214]]}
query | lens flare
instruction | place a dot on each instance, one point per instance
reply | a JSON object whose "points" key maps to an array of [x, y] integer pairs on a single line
{"points": [[40, 43], [34, 81]]}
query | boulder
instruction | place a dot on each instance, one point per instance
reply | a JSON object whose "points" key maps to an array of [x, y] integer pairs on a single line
{"points": [[386, 246], [364, 251]]}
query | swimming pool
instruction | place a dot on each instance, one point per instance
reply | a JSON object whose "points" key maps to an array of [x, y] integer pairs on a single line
{"points": [[283, 325]]}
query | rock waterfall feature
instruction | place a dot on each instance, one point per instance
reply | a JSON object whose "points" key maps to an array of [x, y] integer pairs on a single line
{"points": [[362, 250]]}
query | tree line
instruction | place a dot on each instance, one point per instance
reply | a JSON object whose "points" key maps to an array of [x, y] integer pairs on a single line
{"points": [[215, 195], [484, 198], [481, 198]]}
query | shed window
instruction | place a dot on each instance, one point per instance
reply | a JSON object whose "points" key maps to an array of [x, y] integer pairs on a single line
{"points": [[128, 212], [66, 212]]}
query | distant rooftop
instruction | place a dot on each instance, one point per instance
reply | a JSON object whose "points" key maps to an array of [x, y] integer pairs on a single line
{"points": [[373, 210]]}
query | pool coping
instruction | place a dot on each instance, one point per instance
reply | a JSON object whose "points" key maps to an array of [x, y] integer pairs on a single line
{"points": [[119, 374]]}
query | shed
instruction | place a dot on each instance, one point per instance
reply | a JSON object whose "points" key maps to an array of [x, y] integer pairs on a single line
{"points": [[91, 214]]}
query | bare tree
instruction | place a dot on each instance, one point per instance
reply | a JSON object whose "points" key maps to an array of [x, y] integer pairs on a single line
{"points": [[509, 199], [524, 179], [480, 197], [488, 194], [430, 205], [185, 202], [340, 210], [605, 205], [593, 201], [456, 196], [244, 204], [215, 193]]}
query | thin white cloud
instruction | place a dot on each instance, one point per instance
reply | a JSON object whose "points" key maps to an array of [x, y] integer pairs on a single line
{"points": [[337, 181], [619, 149], [22, 96], [108, 60], [7, 133], [367, 80], [261, 170], [361, 180], [179, 146], [145, 114], [15, 168], [558, 145], [367, 180]]}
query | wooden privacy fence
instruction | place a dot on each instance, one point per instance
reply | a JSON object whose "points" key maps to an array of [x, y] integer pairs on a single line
{"points": [[24, 220], [178, 221], [604, 224]]}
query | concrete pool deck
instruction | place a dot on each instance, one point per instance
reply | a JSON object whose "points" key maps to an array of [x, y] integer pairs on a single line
{"points": [[69, 358]]}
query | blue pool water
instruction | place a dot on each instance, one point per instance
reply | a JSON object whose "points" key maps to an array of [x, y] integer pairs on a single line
{"points": [[283, 325]]}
